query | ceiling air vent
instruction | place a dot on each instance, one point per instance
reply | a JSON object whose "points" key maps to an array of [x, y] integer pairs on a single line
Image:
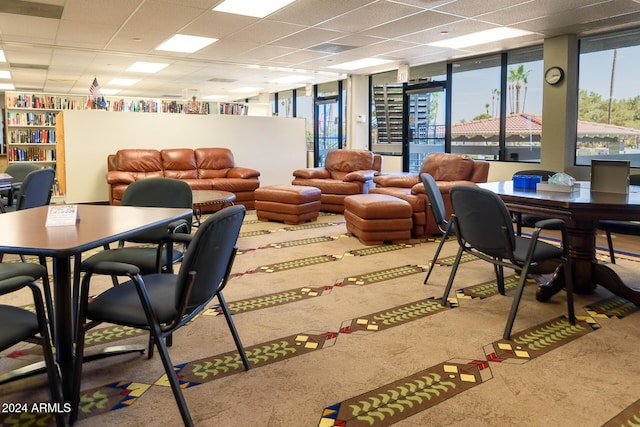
{"points": [[221, 80], [332, 48], [28, 8], [29, 66]]}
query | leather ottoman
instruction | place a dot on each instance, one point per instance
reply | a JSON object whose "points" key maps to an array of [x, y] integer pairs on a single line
{"points": [[378, 218], [291, 204]]}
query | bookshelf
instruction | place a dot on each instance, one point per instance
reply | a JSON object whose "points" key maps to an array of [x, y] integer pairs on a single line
{"points": [[30, 121]]}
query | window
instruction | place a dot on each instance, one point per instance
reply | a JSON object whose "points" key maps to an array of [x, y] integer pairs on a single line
{"points": [[523, 125], [609, 98], [475, 107]]}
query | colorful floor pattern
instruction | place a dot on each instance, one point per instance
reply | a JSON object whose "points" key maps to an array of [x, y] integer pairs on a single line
{"points": [[379, 407]]}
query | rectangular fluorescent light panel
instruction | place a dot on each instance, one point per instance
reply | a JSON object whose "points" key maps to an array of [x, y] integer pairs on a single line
{"points": [[257, 9], [7, 86], [2, 58], [361, 63], [213, 97], [246, 89], [123, 82], [5, 75], [290, 79], [147, 67], [106, 91], [481, 37], [186, 44]]}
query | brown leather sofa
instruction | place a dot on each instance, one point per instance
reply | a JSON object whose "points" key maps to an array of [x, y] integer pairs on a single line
{"points": [[447, 170], [345, 173], [201, 168]]}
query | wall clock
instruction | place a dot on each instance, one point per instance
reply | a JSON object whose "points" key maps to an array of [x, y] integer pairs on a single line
{"points": [[554, 75]]}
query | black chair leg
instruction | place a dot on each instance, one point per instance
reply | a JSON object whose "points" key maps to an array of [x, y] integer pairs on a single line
{"points": [[612, 255], [452, 275], [234, 332], [48, 299], [444, 237], [516, 302]]}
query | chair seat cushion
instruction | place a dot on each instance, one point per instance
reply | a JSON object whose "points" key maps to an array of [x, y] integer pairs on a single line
{"points": [[19, 324], [121, 303], [142, 257], [12, 269]]}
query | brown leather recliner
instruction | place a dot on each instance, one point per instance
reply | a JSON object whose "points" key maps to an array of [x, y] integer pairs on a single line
{"points": [[345, 173], [448, 170]]}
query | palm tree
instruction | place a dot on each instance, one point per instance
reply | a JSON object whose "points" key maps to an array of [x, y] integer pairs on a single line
{"points": [[516, 77], [495, 101], [613, 73]]}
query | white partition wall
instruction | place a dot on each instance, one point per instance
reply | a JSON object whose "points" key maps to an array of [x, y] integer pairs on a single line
{"points": [[273, 145]]}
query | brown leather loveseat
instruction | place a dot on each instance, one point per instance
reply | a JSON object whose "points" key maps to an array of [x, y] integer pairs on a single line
{"points": [[201, 168], [345, 173], [447, 170]]}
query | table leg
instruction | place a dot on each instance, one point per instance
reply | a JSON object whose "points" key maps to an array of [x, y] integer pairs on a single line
{"points": [[587, 272], [63, 322]]}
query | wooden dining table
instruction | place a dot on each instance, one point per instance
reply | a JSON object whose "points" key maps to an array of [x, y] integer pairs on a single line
{"points": [[581, 210], [25, 232]]}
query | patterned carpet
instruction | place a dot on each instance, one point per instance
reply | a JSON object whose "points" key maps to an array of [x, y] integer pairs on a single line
{"points": [[383, 405]]}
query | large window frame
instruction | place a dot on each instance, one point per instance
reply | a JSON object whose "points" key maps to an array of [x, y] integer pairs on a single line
{"points": [[608, 125]]}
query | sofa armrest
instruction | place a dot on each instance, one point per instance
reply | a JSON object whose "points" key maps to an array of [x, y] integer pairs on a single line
{"points": [[244, 173], [403, 180], [363, 176], [119, 177], [311, 173]]}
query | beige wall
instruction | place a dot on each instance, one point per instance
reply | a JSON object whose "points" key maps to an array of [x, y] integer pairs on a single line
{"points": [[273, 145]]}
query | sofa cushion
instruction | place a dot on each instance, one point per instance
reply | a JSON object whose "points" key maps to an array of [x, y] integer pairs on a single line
{"points": [[448, 167], [179, 163], [213, 162], [141, 161], [341, 162]]}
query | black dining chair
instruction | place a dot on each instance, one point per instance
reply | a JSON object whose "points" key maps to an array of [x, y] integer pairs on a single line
{"points": [[484, 228], [22, 325], [35, 191], [436, 203], [162, 303], [529, 220], [631, 228], [18, 172]]}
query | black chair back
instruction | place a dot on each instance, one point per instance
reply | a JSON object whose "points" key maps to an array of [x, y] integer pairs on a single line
{"points": [[210, 256], [483, 219], [435, 200], [545, 174], [157, 193], [36, 189]]}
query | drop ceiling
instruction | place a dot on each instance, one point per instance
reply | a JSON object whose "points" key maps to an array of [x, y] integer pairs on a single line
{"points": [[59, 46]]}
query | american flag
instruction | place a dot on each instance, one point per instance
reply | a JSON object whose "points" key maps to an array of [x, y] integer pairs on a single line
{"points": [[94, 89]]}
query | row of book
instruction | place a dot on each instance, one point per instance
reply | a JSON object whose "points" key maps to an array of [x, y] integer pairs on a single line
{"points": [[31, 119], [25, 100], [31, 154], [32, 136], [231, 108]]}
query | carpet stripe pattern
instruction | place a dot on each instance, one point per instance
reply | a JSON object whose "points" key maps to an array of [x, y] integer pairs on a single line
{"points": [[382, 406]]}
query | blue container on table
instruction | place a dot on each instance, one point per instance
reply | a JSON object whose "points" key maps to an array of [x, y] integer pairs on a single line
{"points": [[526, 182]]}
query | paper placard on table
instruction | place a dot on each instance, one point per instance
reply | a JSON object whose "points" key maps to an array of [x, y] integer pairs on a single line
{"points": [[62, 215]]}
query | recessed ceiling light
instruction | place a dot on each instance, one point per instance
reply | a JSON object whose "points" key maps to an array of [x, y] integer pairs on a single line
{"points": [[212, 97], [257, 9], [290, 79], [2, 58], [5, 75], [481, 37], [7, 86], [147, 67], [246, 89], [361, 63], [186, 44], [123, 82]]}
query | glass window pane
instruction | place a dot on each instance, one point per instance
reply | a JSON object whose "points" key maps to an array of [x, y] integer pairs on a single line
{"points": [[285, 103], [475, 111], [524, 105], [609, 98], [304, 109]]}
